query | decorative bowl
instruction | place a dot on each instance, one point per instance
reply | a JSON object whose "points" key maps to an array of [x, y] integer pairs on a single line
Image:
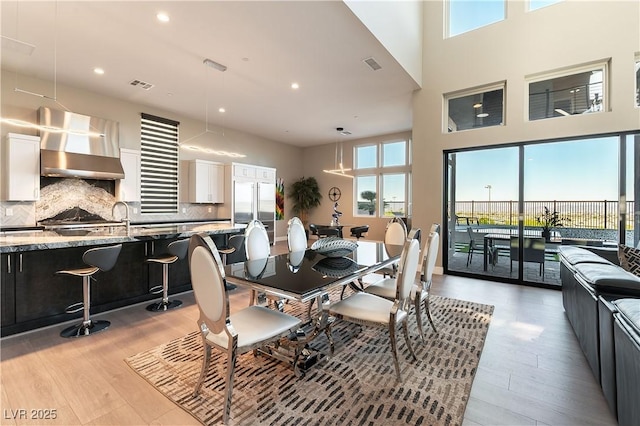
{"points": [[336, 267], [334, 246]]}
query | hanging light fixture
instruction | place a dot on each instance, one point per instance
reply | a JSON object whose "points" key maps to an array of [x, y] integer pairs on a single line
{"points": [[339, 168], [211, 64]]}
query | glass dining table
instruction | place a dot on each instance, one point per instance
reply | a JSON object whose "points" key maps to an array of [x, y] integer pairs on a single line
{"points": [[307, 276]]}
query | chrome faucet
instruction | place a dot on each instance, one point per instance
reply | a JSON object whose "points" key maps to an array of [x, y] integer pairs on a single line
{"points": [[126, 219]]}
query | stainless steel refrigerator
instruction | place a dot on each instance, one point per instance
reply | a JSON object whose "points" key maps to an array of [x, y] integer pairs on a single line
{"points": [[255, 200]]}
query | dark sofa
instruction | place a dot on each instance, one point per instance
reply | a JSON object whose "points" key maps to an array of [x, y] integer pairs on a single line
{"points": [[591, 289]]}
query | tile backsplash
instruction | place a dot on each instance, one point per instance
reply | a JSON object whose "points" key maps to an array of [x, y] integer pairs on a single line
{"points": [[65, 194]]}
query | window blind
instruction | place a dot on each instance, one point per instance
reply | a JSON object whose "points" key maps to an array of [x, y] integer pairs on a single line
{"points": [[159, 164]]}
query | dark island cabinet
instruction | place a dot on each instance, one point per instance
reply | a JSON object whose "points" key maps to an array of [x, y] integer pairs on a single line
{"points": [[34, 295], [8, 284]]}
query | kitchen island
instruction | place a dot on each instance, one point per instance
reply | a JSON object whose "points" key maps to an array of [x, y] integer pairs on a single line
{"points": [[33, 295]]}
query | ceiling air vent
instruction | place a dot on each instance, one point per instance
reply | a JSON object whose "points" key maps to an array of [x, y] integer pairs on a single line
{"points": [[141, 84], [372, 64]]}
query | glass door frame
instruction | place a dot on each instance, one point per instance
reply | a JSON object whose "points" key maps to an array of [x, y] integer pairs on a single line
{"points": [[448, 212]]}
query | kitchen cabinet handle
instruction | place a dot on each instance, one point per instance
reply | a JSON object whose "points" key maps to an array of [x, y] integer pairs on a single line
{"points": [[20, 262], [8, 263]]}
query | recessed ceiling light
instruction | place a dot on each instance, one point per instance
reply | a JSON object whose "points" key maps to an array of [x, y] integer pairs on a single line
{"points": [[99, 71], [162, 17], [478, 105], [295, 86], [482, 115], [222, 109]]}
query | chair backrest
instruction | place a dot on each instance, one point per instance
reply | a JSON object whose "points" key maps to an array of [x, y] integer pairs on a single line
{"points": [[415, 234], [435, 227], [429, 258], [534, 249], [256, 241], [408, 269], [296, 236], [103, 258], [179, 248], [396, 232], [313, 229], [239, 254], [208, 282], [357, 231]]}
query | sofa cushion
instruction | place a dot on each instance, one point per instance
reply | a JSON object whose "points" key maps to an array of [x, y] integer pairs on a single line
{"points": [[629, 259], [574, 255], [629, 309], [606, 277]]}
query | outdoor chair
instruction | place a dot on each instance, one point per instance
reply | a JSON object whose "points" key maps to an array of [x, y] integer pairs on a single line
{"points": [[476, 244], [534, 249]]}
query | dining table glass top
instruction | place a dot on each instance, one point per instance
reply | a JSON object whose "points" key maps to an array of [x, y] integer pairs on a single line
{"points": [[305, 275]]}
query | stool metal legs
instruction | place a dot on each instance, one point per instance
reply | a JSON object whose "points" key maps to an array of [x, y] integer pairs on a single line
{"points": [[88, 326], [165, 303]]}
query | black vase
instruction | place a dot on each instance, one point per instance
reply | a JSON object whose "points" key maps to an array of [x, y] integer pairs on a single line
{"points": [[546, 233]]}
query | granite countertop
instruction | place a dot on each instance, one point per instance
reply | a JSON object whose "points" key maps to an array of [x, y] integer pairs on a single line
{"points": [[45, 240]]}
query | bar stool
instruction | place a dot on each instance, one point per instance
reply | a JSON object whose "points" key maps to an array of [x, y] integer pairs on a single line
{"points": [[357, 231], [177, 250], [98, 259]]}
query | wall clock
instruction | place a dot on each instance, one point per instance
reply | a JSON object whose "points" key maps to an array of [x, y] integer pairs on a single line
{"points": [[334, 193]]}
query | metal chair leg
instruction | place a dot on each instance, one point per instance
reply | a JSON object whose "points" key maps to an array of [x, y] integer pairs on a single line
{"points": [[205, 366], [394, 350]]}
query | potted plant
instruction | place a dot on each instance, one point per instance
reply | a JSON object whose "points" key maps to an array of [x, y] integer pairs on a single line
{"points": [[550, 220], [305, 194]]}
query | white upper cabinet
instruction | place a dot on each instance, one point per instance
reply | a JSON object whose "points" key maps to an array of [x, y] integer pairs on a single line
{"points": [[128, 189], [206, 182], [22, 168], [264, 174]]}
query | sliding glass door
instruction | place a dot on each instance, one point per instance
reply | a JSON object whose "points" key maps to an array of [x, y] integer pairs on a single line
{"points": [[483, 195], [509, 209]]}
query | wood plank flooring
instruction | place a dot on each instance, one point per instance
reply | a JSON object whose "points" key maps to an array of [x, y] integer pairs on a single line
{"points": [[532, 371]]}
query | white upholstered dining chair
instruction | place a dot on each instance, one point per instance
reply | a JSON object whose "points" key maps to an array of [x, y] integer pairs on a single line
{"points": [[420, 292], [234, 334], [395, 234], [371, 310], [296, 236]]}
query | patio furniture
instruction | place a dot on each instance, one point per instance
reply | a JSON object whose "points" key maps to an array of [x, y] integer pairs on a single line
{"points": [[477, 243], [533, 251]]}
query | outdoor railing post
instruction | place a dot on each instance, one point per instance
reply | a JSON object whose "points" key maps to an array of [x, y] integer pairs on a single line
{"points": [[605, 214]]}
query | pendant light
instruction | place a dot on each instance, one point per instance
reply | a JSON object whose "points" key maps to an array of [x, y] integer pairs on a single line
{"points": [[339, 168]]}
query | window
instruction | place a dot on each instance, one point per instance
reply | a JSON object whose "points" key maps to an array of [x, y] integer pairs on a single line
{"points": [[568, 94], [366, 157], [387, 174], [472, 110], [538, 4], [159, 165], [467, 15]]}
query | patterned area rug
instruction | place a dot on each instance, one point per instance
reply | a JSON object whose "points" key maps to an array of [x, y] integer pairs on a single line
{"points": [[357, 386]]}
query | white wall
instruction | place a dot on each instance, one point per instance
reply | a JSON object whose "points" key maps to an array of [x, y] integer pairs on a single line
{"points": [[563, 35], [398, 27]]}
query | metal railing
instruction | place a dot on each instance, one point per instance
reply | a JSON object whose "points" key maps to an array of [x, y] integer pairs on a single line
{"points": [[579, 214]]}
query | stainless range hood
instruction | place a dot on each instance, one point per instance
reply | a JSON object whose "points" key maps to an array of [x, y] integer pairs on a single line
{"points": [[76, 145]]}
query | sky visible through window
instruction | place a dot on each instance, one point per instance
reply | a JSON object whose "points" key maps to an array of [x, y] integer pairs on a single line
{"points": [[467, 15], [574, 170]]}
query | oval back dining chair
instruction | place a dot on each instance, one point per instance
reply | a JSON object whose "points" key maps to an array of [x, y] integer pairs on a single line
{"points": [[421, 296], [256, 241], [296, 236], [234, 334], [371, 310]]}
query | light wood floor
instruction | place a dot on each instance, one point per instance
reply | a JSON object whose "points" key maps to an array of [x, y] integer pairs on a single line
{"points": [[531, 371]]}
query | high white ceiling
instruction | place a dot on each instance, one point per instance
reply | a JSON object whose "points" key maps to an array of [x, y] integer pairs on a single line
{"points": [[265, 45]]}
